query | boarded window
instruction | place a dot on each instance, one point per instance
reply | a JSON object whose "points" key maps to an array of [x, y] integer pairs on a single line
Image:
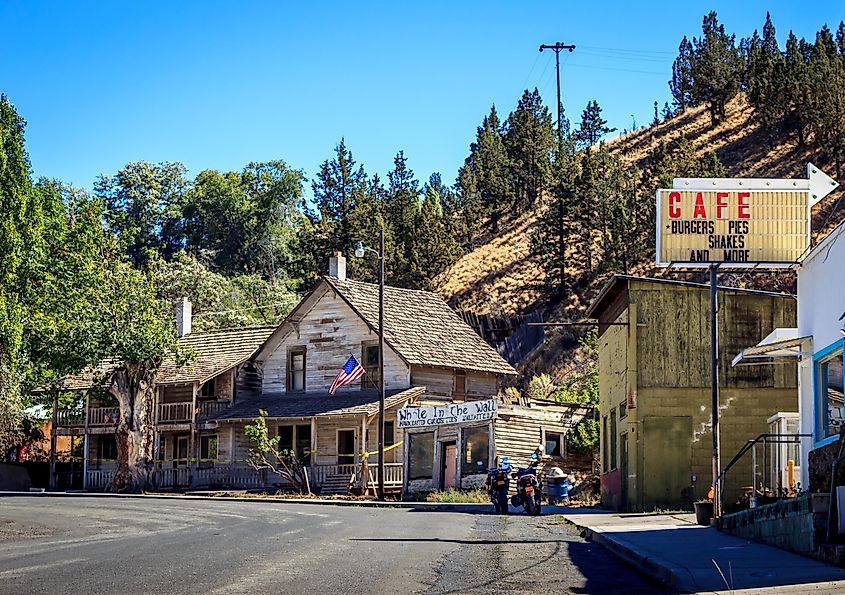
{"points": [[475, 448], [460, 384], [554, 444], [421, 455], [370, 361], [296, 370], [208, 389], [208, 450]]}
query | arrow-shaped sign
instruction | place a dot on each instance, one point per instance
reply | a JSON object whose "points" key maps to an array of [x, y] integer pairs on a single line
{"points": [[818, 184]]}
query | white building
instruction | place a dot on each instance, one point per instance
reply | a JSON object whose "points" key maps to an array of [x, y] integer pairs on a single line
{"points": [[817, 344]]}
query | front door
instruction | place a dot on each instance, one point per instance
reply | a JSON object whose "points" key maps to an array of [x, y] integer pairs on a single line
{"points": [[180, 451], [449, 465], [345, 446]]}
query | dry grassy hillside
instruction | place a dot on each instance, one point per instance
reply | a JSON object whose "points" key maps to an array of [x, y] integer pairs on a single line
{"points": [[501, 277]]}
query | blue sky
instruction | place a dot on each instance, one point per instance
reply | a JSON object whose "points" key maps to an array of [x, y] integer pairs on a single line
{"points": [[220, 84]]}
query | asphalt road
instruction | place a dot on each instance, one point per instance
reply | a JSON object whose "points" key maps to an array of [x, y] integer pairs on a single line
{"points": [[97, 545]]}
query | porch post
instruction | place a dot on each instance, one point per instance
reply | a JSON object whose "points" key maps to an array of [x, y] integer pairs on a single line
{"points": [[365, 470], [156, 438], [85, 442], [192, 448]]}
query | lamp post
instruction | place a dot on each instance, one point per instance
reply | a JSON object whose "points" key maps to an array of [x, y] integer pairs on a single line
{"points": [[360, 249]]}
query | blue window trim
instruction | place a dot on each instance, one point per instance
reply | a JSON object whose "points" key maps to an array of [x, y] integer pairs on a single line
{"points": [[817, 385]]}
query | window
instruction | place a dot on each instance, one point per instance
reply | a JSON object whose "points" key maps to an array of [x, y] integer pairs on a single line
{"points": [[208, 450], [554, 444], [296, 370], [208, 389], [605, 466], [623, 410], [389, 440], [830, 395], [370, 361], [106, 449], [613, 439], [298, 440], [421, 455], [476, 448]]}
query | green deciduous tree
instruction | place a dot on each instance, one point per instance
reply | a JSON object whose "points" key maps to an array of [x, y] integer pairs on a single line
{"points": [[144, 204]]}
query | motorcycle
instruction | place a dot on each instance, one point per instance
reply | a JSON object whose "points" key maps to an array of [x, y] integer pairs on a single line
{"points": [[529, 488], [498, 484]]}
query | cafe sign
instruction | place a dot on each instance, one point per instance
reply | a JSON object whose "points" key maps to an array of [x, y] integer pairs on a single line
{"points": [[737, 222], [441, 415]]}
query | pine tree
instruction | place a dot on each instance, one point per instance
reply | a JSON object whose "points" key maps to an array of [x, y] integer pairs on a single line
{"points": [[401, 208], [338, 187], [796, 87], [682, 82], [716, 68], [827, 98], [766, 69], [434, 247], [488, 162], [529, 139], [666, 112], [593, 127]]}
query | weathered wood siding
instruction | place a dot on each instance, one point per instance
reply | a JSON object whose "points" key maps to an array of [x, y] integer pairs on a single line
{"points": [[673, 338], [330, 331], [176, 393], [441, 383], [518, 432]]}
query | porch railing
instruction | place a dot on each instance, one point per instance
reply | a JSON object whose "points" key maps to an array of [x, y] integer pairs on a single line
{"points": [[393, 473], [317, 474], [98, 479], [213, 407], [97, 416], [168, 412]]}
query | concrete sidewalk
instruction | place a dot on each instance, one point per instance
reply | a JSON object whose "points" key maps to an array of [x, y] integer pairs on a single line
{"points": [[683, 555]]}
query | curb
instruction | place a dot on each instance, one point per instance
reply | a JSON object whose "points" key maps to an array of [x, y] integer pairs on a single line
{"points": [[434, 506], [665, 572]]}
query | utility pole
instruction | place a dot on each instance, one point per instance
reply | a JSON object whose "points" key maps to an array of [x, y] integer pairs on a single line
{"points": [[557, 47]]}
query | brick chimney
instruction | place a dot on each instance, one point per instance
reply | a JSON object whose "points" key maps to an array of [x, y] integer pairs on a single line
{"points": [[337, 266], [184, 314]]}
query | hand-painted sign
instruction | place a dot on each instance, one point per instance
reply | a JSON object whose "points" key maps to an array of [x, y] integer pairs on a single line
{"points": [[737, 222], [438, 415]]}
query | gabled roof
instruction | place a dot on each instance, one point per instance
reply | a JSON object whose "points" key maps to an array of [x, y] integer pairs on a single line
{"points": [[344, 402], [421, 327], [216, 352]]}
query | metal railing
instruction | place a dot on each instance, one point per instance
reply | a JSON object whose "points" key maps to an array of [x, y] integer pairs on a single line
{"points": [[770, 484]]}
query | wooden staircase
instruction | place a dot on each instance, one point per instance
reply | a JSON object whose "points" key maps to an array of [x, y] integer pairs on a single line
{"points": [[337, 485]]}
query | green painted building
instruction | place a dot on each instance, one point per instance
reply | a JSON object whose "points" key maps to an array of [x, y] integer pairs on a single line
{"points": [[654, 375]]}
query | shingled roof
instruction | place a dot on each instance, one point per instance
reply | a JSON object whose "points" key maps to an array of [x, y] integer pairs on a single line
{"points": [[421, 327], [281, 405], [216, 351]]}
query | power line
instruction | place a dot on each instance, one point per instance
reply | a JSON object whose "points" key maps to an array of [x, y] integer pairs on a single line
{"points": [[627, 50]]}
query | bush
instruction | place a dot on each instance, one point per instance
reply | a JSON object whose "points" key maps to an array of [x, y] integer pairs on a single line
{"points": [[541, 387]]}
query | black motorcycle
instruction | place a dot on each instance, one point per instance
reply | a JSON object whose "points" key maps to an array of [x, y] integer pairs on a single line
{"points": [[498, 484], [529, 488]]}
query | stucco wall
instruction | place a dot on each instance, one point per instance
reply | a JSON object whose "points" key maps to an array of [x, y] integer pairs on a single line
{"points": [[821, 303]]}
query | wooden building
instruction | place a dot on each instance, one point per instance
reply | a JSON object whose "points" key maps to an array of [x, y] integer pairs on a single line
{"points": [[654, 370]]}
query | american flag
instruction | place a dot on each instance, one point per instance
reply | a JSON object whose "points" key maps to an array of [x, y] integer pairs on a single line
{"points": [[350, 372]]}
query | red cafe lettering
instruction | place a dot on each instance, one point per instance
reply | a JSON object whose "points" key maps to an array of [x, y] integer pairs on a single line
{"points": [[698, 209]]}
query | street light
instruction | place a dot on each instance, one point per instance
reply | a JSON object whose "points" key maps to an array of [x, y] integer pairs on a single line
{"points": [[360, 250]]}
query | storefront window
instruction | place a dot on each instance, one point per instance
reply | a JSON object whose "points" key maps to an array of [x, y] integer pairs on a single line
{"points": [[476, 448], [829, 375], [421, 453]]}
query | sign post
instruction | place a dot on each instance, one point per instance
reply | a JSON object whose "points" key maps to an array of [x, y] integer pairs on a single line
{"points": [[738, 223]]}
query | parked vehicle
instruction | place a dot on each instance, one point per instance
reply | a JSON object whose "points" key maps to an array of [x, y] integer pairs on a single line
{"points": [[529, 488], [498, 484]]}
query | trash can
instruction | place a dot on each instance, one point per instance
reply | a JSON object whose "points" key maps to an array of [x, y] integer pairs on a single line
{"points": [[554, 489]]}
